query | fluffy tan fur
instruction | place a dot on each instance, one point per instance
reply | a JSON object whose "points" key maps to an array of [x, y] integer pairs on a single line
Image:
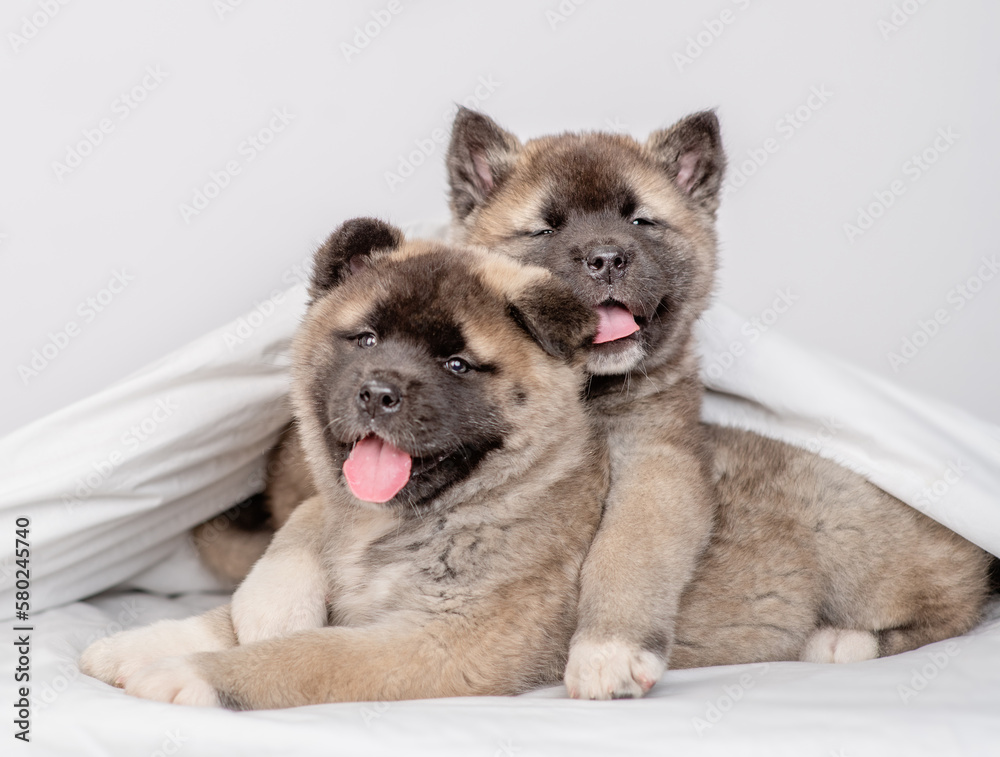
{"points": [[471, 592], [804, 559]]}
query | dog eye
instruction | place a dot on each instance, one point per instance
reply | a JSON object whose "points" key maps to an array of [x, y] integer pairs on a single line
{"points": [[642, 222], [457, 365], [367, 340], [541, 232]]}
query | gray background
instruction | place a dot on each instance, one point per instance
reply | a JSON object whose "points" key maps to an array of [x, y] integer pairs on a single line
{"points": [[538, 67]]}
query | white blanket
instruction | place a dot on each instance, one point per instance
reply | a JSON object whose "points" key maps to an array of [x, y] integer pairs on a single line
{"points": [[938, 701], [112, 484]]}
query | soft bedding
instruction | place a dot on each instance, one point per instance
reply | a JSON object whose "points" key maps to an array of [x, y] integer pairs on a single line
{"points": [[111, 486], [941, 700]]}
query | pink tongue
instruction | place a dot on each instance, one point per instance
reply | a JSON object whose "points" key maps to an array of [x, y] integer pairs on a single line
{"points": [[614, 322], [376, 470]]}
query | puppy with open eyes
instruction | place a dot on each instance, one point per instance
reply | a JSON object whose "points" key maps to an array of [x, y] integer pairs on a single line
{"points": [[458, 481]]}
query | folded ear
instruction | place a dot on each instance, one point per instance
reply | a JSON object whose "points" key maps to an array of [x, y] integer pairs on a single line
{"points": [[554, 317], [479, 158], [347, 249], [691, 153]]}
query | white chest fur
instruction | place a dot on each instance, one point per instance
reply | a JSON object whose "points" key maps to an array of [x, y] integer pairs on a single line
{"points": [[366, 590]]}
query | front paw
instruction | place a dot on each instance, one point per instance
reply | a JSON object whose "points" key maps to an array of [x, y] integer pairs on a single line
{"points": [[114, 659], [840, 645], [176, 680], [611, 670]]}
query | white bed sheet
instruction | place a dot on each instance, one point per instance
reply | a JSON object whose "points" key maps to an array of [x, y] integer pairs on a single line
{"points": [[941, 700]]}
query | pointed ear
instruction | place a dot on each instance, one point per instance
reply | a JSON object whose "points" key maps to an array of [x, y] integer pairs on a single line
{"points": [[554, 317], [479, 158], [691, 153], [347, 249]]}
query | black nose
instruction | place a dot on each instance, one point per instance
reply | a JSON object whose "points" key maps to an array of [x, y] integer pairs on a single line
{"points": [[379, 397], [607, 263]]}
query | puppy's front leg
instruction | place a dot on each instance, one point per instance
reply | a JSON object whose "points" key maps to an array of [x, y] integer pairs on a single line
{"points": [[333, 664], [286, 590], [655, 525]]}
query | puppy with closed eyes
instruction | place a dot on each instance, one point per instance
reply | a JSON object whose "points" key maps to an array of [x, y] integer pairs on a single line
{"points": [[717, 546]]}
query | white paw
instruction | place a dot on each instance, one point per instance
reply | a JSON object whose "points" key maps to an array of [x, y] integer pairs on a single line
{"points": [[175, 680], [284, 593], [115, 659], [610, 670], [840, 645]]}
